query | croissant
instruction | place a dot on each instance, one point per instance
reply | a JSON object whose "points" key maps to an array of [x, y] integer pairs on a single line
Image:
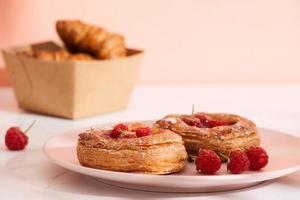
{"points": [[51, 55], [161, 152], [57, 55], [219, 132], [79, 36]]}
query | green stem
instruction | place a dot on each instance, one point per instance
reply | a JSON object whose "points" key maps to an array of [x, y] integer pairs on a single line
{"points": [[30, 126], [193, 109]]}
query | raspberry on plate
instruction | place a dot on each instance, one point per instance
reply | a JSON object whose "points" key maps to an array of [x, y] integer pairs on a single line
{"points": [[258, 158], [117, 130], [15, 139], [142, 131], [238, 162], [208, 162]]}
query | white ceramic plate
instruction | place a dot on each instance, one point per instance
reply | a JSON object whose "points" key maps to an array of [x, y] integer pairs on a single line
{"points": [[283, 150]]}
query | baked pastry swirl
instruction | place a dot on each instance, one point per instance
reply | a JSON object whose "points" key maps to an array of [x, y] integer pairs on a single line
{"points": [[161, 152], [219, 132]]}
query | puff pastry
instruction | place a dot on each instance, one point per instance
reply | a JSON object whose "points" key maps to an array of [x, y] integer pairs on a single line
{"points": [[162, 152], [79, 36], [219, 132]]}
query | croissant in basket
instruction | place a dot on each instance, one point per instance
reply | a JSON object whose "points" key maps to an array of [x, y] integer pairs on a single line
{"points": [[82, 37], [55, 55], [135, 148], [219, 132]]}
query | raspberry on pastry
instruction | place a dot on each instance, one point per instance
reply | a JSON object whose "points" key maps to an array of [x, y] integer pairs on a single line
{"points": [[117, 130], [219, 132], [142, 131], [139, 149]]}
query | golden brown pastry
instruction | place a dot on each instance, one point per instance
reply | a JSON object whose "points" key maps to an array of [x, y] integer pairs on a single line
{"points": [[219, 132], [58, 55], [27, 52], [152, 151], [80, 56], [82, 37], [51, 55]]}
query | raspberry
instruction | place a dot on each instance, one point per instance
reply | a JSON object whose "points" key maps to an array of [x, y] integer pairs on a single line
{"points": [[210, 123], [214, 123], [15, 139], [208, 162], [258, 158], [142, 131], [128, 134], [202, 118], [193, 121], [238, 162], [117, 130]]}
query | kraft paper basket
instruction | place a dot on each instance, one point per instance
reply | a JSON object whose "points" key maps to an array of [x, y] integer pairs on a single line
{"points": [[72, 89]]}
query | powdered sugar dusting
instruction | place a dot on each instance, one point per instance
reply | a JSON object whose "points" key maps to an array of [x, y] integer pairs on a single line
{"points": [[170, 119]]}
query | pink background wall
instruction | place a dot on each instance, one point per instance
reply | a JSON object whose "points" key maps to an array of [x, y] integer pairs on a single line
{"points": [[208, 41]]}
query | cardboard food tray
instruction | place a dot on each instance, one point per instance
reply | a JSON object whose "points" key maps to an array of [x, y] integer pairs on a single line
{"points": [[71, 89]]}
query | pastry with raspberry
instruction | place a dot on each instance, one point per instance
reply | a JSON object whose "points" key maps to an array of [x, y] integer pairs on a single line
{"points": [[219, 132], [132, 147]]}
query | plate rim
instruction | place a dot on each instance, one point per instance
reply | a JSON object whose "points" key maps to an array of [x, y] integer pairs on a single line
{"points": [[221, 177]]}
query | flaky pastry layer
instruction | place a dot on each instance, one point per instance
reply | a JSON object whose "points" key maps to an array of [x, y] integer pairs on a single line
{"points": [[240, 133], [162, 152]]}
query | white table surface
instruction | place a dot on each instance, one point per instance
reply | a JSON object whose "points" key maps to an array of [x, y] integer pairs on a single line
{"points": [[29, 175]]}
